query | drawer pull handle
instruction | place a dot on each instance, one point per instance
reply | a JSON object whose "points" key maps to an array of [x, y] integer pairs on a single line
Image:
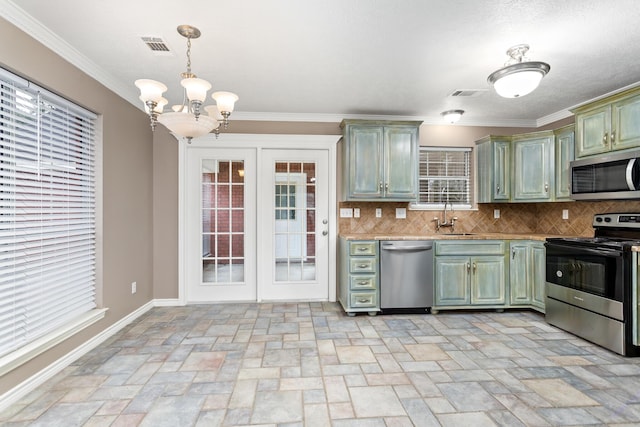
{"points": [[363, 283], [364, 300], [362, 249], [363, 265]]}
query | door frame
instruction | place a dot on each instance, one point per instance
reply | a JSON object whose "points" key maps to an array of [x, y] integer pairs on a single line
{"points": [[259, 142]]}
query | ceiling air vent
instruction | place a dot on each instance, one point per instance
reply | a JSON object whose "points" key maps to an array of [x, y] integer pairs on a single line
{"points": [[468, 93], [157, 45]]}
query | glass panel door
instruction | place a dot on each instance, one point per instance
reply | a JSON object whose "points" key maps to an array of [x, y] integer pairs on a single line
{"points": [[294, 214], [220, 256], [223, 221]]}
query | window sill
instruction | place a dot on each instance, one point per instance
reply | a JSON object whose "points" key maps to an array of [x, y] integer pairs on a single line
{"points": [[22, 355]]}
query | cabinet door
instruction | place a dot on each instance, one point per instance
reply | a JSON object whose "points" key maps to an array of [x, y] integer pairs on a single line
{"points": [[592, 131], [538, 274], [401, 162], [452, 281], [488, 282], [501, 171], [532, 168], [365, 162], [485, 172], [626, 124], [564, 155], [519, 283]]}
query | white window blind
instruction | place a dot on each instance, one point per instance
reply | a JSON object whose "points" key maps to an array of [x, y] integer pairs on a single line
{"points": [[47, 212], [445, 177]]}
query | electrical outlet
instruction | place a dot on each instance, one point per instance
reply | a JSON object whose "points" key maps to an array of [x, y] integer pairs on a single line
{"points": [[496, 213], [346, 213], [134, 287], [378, 212], [565, 213], [356, 212], [401, 213]]}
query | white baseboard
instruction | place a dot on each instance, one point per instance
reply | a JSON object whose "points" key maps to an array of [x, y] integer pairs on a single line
{"points": [[31, 383]]}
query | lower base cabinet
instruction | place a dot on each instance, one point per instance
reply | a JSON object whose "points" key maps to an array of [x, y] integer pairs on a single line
{"points": [[489, 274], [358, 276], [527, 274], [470, 274]]}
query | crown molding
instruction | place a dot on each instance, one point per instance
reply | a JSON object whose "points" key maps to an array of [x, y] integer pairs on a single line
{"points": [[34, 28], [551, 118]]}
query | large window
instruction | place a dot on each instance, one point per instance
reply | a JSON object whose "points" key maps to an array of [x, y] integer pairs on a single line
{"points": [[47, 212], [445, 177]]}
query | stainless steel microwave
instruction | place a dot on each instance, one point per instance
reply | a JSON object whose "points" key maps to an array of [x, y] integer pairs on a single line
{"points": [[611, 176]]}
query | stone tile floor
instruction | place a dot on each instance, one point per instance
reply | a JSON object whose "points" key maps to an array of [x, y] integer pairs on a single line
{"points": [[309, 364]]}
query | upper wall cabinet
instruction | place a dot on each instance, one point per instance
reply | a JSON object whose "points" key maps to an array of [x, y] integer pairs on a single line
{"points": [[379, 160], [609, 124], [533, 177], [532, 167], [494, 169]]}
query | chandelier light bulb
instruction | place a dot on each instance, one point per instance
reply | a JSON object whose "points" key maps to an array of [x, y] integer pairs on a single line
{"points": [[196, 88], [225, 101], [150, 90]]}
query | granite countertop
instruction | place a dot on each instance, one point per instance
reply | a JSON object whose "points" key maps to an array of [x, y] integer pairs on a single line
{"points": [[454, 236]]}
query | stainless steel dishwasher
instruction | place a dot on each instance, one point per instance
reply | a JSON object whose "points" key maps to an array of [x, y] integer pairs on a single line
{"points": [[406, 274]]}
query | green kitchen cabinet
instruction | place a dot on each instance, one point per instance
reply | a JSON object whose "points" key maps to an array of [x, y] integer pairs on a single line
{"points": [[469, 273], [533, 167], [527, 274], [379, 160], [564, 154], [358, 276], [494, 169], [609, 124]]}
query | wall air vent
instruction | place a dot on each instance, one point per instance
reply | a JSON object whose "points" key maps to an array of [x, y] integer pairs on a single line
{"points": [[157, 45], [468, 93]]}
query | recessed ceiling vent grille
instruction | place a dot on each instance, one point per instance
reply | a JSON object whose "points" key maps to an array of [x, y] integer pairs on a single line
{"points": [[468, 93], [157, 45]]}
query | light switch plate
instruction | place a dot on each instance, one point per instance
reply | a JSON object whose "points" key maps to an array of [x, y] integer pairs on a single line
{"points": [[346, 213], [401, 213], [378, 212], [496, 213], [356, 212], [565, 213]]}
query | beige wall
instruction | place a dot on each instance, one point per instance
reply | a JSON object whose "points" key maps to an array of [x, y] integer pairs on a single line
{"points": [[127, 186]]}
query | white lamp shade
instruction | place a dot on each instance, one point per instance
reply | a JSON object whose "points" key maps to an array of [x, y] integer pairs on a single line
{"points": [[518, 83], [186, 125], [150, 90], [196, 88], [212, 111], [225, 101], [452, 116]]}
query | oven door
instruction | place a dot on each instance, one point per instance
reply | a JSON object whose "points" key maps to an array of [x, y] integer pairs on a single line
{"points": [[595, 271]]}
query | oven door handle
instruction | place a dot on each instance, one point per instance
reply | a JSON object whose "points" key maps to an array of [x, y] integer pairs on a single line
{"points": [[571, 250]]}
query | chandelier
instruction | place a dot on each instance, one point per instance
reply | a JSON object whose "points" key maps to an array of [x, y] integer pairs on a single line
{"points": [[519, 76], [187, 120]]}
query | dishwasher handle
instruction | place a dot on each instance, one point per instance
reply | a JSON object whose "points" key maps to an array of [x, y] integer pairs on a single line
{"points": [[390, 247]]}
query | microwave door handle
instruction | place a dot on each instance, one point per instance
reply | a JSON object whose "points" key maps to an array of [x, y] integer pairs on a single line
{"points": [[629, 174]]}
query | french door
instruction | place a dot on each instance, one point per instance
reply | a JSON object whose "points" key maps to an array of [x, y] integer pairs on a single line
{"points": [[256, 224]]}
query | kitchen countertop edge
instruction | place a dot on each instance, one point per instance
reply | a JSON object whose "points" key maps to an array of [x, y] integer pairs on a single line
{"points": [[444, 236]]}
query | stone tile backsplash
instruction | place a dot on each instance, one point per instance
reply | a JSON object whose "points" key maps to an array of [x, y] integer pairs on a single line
{"points": [[534, 218]]}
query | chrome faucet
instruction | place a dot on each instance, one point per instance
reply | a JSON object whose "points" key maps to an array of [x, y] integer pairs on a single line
{"points": [[444, 222]]}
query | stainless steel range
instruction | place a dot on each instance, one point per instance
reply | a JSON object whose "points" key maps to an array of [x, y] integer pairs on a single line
{"points": [[592, 283]]}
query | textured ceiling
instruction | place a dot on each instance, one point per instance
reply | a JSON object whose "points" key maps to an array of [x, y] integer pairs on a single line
{"points": [[323, 60]]}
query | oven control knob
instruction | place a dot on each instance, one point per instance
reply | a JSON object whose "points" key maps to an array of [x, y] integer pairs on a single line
{"points": [[607, 219], [598, 219]]}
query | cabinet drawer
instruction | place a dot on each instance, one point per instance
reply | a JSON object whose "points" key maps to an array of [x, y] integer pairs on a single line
{"points": [[471, 247], [364, 299], [363, 248], [362, 282], [363, 265]]}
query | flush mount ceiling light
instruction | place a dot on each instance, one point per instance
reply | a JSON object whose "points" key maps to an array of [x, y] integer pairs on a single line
{"points": [[519, 76], [186, 120], [452, 116]]}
